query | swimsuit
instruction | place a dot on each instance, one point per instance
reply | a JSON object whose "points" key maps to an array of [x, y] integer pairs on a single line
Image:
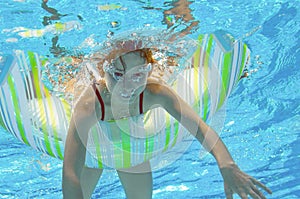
{"points": [[130, 141]]}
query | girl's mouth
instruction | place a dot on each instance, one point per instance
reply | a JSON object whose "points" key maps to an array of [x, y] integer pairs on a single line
{"points": [[127, 95]]}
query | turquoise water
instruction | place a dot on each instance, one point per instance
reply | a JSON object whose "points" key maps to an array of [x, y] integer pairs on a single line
{"points": [[262, 126]]}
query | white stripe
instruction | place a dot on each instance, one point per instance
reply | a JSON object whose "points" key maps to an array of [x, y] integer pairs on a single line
{"points": [[61, 118], [133, 141], [11, 112], [106, 146], [27, 82], [160, 135], [22, 63], [23, 105], [49, 132], [25, 72], [238, 59], [215, 79], [235, 65], [5, 112], [140, 148], [32, 106], [220, 67], [202, 81]]}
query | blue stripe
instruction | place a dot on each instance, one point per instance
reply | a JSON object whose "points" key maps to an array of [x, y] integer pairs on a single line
{"points": [[5, 66], [211, 55], [7, 121], [238, 63], [37, 141]]}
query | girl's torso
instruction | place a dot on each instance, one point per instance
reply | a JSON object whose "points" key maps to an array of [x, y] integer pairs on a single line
{"points": [[111, 110]]}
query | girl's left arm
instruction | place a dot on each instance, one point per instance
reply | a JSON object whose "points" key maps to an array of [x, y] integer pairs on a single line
{"points": [[183, 113], [235, 181]]}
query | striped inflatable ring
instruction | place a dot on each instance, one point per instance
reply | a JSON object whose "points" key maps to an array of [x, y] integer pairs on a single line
{"points": [[39, 119]]}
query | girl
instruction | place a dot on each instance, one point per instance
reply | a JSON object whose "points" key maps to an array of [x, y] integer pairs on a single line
{"points": [[128, 91]]}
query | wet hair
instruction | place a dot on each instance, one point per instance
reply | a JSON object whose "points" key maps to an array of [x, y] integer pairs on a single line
{"points": [[145, 53], [75, 75]]}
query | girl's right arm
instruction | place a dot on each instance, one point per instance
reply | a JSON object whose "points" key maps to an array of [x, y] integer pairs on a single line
{"points": [[73, 163], [83, 117]]}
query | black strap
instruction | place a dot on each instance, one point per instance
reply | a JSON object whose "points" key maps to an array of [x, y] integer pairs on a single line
{"points": [[141, 102], [100, 100]]}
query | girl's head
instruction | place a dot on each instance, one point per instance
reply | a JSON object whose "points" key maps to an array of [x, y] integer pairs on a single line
{"points": [[126, 75]]}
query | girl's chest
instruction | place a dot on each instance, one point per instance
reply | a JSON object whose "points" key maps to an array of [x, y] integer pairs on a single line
{"points": [[116, 109]]}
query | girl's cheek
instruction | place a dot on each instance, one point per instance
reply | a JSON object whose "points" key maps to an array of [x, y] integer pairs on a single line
{"points": [[109, 84]]}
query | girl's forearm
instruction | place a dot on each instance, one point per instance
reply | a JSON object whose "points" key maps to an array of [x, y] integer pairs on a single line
{"points": [[71, 188], [211, 141], [74, 157]]}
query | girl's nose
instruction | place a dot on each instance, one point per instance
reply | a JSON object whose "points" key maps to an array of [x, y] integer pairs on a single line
{"points": [[128, 84]]}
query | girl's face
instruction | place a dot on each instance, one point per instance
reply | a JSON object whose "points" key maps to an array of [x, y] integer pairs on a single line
{"points": [[126, 78]]}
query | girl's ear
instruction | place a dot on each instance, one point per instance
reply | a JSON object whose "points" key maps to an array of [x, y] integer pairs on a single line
{"points": [[150, 72]]}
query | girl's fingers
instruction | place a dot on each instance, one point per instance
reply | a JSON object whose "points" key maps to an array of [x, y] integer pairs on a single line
{"points": [[228, 192], [255, 189], [254, 195], [228, 195], [243, 195], [256, 182]]}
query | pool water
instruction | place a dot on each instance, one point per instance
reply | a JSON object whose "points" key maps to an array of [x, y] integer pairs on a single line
{"points": [[262, 126]]}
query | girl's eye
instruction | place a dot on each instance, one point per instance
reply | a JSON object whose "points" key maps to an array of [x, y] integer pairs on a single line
{"points": [[138, 75], [118, 75]]}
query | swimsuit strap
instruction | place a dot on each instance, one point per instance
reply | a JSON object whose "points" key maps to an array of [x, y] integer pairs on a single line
{"points": [[141, 102], [100, 100]]}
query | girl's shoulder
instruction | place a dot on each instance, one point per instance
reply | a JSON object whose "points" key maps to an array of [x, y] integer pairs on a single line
{"points": [[154, 87], [85, 98], [157, 92]]}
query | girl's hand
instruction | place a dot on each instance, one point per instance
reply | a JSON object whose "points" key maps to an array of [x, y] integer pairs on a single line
{"points": [[236, 181]]}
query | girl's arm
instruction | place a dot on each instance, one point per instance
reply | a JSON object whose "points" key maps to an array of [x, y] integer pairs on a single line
{"points": [[234, 179], [183, 113], [83, 117]]}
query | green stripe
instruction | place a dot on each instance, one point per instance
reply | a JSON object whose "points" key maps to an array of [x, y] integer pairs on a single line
{"points": [[208, 50], [196, 63], [17, 111], [149, 147], [53, 120], [55, 131], [98, 151], [205, 104], [36, 81], [176, 126], [2, 123], [205, 76], [243, 62], [126, 149], [226, 69], [54, 126], [35, 73], [167, 132]]}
